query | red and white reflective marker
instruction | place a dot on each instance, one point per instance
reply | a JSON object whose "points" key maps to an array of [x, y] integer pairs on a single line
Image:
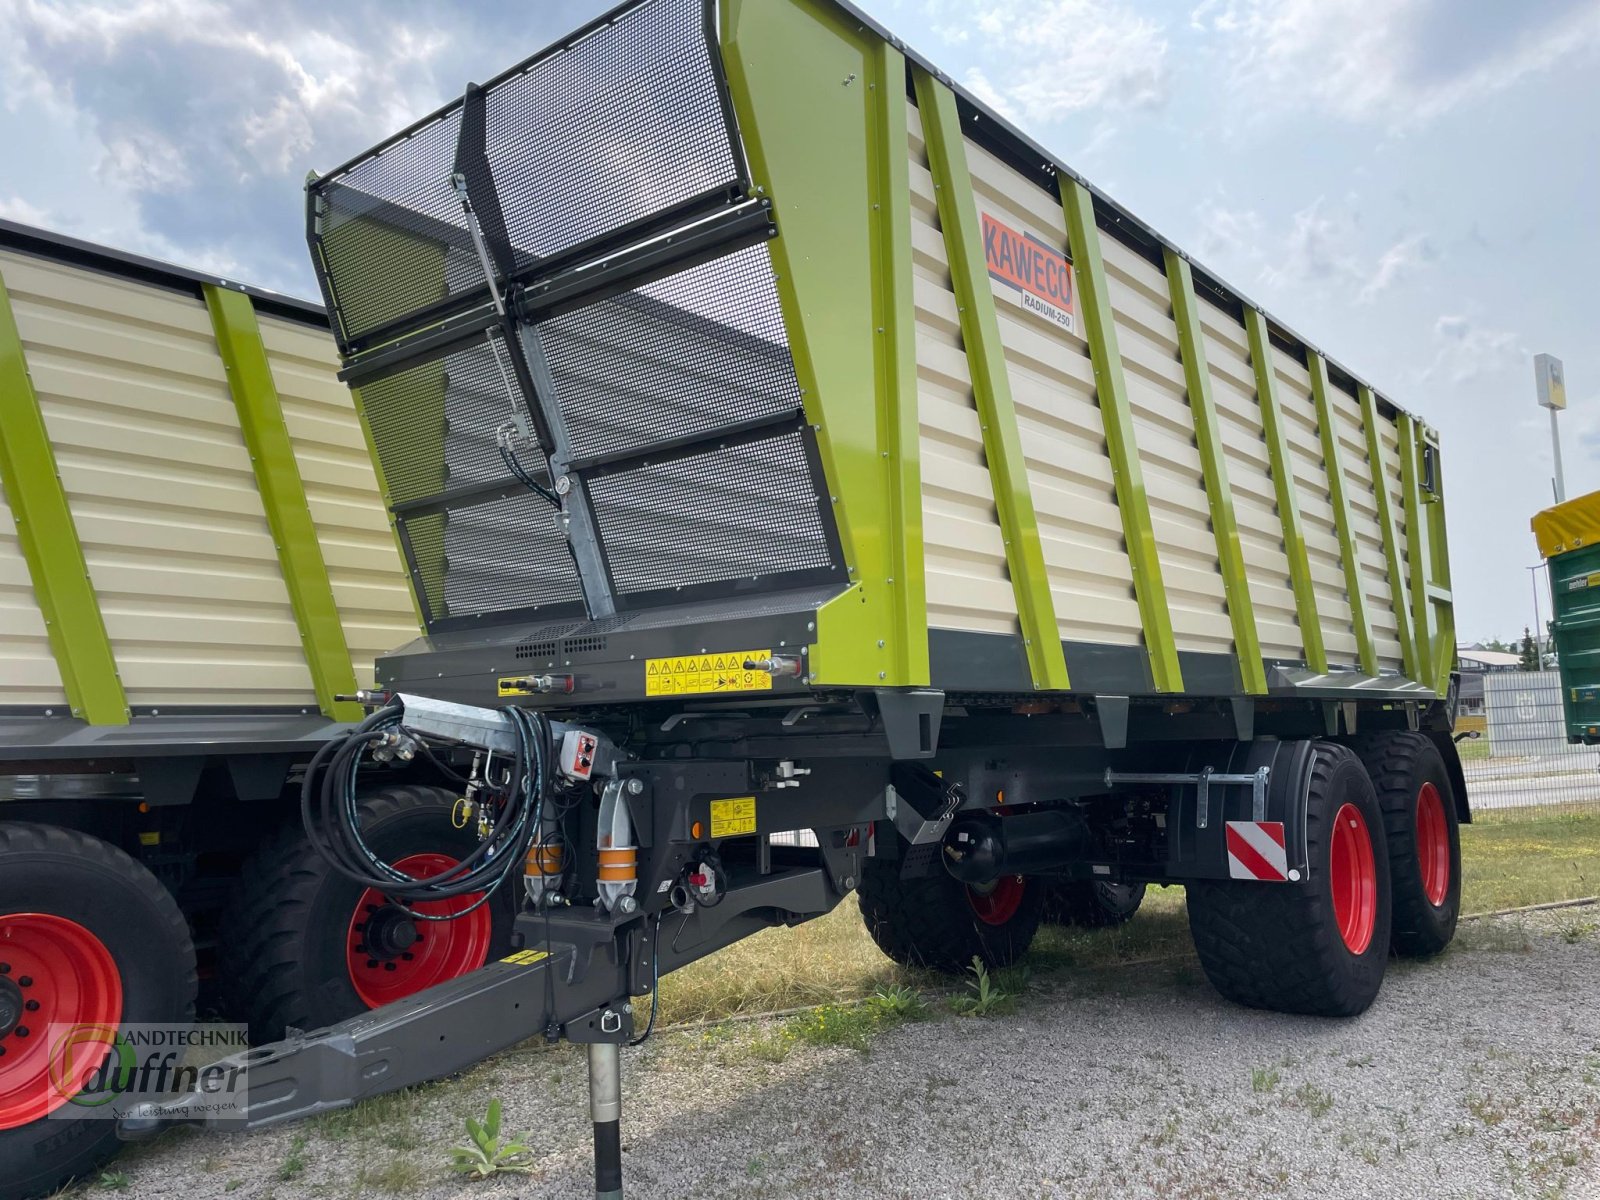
{"points": [[1256, 851]]}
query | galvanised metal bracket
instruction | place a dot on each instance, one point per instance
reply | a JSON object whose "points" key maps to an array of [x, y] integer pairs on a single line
{"points": [[912, 825], [1202, 781]]}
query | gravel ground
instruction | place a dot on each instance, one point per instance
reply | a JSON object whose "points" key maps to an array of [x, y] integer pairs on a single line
{"points": [[1477, 1075]]}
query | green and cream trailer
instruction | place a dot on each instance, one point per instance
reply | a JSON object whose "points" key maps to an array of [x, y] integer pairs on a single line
{"points": [[777, 440]]}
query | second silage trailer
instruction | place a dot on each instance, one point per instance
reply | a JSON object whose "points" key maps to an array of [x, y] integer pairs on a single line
{"points": [[777, 439]]}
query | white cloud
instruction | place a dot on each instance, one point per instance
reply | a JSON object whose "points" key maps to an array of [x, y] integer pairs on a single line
{"points": [[1323, 249], [1398, 261], [192, 123], [1041, 60], [1468, 350], [15, 208], [1399, 64]]}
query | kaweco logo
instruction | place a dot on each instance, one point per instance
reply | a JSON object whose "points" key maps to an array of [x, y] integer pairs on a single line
{"points": [[1041, 275]]}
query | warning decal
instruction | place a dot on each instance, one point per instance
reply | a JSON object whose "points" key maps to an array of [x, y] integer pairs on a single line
{"points": [[1041, 275], [702, 674], [526, 958], [729, 818], [1256, 851]]}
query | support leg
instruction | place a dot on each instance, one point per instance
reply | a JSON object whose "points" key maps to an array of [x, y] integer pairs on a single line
{"points": [[605, 1109]]}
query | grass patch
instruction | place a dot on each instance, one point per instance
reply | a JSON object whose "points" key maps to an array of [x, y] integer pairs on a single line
{"points": [[294, 1163], [1544, 855], [828, 960], [1536, 860], [1312, 1099]]}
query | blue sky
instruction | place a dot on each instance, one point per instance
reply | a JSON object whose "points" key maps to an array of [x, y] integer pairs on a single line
{"points": [[1412, 184]]}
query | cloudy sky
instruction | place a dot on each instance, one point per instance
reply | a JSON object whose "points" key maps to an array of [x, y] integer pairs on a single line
{"points": [[1415, 184]]}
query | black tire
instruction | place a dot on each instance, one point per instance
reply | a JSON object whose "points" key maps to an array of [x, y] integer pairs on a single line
{"points": [[64, 873], [931, 922], [1279, 946], [1093, 903], [283, 949], [1402, 765]]}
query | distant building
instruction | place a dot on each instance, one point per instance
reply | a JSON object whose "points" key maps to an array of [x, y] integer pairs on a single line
{"points": [[1471, 713], [1474, 659]]}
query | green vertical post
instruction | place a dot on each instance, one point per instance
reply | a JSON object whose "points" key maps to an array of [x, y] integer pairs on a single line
{"points": [[49, 540], [1278, 453], [1439, 590], [283, 496], [1111, 391], [1214, 467], [1391, 534], [1333, 462], [1430, 559], [899, 430], [813, 90], [991, 388], [1417, 539]]}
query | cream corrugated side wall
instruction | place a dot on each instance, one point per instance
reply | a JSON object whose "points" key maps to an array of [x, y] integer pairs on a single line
{"points": [[1368, 533], [968, 585], [1153, 368], [28, 672], [1255, 502], [1311, 487], [358, 547], [146, 437], [1063, 439]]}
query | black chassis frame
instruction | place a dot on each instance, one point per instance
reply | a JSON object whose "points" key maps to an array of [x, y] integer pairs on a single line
{"points": [[827, 764]]}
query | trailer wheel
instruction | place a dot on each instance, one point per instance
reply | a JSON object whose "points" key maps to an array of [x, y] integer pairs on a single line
{"points": [[1318, 947], [87, 937], [1093, 903], [940, 923], [1424, 837], [302, 945]]}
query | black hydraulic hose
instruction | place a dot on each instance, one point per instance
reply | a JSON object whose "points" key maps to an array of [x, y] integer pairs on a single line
{"points": [[514, 465], [330, 814]]}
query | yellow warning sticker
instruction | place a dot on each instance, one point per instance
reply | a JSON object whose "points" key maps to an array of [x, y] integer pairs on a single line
{"points": [[730, 818], [700, 674], [526, 958]]}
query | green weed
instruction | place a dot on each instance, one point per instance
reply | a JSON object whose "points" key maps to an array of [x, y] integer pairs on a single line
{"points": [[988, 995], [487, 1155], [294, 1163]]}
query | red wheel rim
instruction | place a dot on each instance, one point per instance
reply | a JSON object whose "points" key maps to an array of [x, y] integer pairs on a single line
{"points": [[386, 966], [997, 902], [1355, 879], [1433, 844], [53, 972]]}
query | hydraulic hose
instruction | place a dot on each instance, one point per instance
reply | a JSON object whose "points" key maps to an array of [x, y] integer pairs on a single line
{"points": [[331, 815]]}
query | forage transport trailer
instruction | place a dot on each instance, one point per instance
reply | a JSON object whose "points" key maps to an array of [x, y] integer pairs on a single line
{"points": [[194, 564], [776, 439]]}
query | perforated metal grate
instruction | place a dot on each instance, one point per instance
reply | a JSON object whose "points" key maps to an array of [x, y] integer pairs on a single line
{"points": [[502, 555], [624, 123], [745, 512], [393, 236], [678, 400], [581, 141], [434, 424], [690, 354]]}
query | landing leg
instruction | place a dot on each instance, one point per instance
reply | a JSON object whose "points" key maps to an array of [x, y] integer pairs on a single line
{"points": [[605, 1109]]}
